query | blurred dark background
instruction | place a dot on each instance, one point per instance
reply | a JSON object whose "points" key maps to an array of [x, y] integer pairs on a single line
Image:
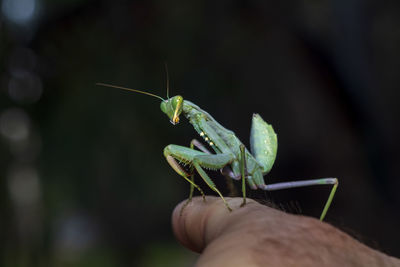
{"points": [[83, 181]]}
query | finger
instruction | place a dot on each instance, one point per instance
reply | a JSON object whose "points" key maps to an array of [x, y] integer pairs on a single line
{"points": [[201, 222]]}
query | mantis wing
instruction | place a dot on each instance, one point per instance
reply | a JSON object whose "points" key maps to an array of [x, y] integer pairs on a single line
{"points": [[263, 143]]}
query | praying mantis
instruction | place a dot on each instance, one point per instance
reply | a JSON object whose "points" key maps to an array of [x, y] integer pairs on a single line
{"points": [[230, 156]]}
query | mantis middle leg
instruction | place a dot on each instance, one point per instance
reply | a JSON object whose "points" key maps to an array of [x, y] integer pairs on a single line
{"points": [[200, 146]]}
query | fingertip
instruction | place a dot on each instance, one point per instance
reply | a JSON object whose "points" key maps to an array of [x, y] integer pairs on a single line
{"points": [[186, 223], [198, 222], [178, 225]]}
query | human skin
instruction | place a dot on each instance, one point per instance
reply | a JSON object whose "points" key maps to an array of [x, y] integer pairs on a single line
{"points": [[257, 235]]}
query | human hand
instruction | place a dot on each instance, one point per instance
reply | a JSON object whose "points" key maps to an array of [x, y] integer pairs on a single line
{"points": [[257, 235]]}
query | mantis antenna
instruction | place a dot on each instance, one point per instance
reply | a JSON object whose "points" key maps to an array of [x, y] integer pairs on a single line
{"points": [[166, 72], [132, 90]]}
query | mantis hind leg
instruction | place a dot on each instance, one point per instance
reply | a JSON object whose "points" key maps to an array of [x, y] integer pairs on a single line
{"points": [[323, 181]]}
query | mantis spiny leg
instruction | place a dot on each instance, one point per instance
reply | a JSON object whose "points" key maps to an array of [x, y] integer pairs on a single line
{"points": [[210, 183], [198, 159], [175, 165], [212, 161], [229, 182]]}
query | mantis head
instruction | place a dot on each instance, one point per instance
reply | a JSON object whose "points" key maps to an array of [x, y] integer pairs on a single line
{"points": [[173, 108]]}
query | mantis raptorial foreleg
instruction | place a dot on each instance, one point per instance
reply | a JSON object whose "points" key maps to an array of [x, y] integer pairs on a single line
{"points": [[198, 159], [175, 165]]}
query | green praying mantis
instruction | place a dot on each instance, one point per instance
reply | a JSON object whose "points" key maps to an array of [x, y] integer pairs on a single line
{"points": [[231, 157]]}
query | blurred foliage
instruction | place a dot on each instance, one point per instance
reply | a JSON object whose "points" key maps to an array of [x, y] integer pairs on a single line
{"points": [[84, 181]]}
